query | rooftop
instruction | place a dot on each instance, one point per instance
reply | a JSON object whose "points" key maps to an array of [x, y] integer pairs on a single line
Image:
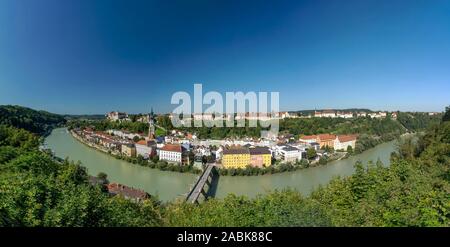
{"points": [[290, 148], [120, 189], [172, 148], [326, 137], [236, 151], [347, 138], [259, 150]]}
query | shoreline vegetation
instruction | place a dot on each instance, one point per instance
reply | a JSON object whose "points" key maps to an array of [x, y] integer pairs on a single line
{"points": [[413, 191]]}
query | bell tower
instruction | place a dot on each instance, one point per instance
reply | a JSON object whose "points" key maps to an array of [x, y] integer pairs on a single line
{"points": [[151, 125]]}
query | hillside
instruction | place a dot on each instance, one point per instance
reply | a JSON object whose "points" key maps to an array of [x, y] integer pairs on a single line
{"points": [[38, 122]]}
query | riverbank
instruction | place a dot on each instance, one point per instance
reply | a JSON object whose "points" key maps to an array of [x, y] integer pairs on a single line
{"points": [[171, 185], [279, 167], [161, 165]]}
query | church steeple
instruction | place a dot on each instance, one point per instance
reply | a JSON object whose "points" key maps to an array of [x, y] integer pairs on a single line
{"points": [[151, 125], [151, 113]]}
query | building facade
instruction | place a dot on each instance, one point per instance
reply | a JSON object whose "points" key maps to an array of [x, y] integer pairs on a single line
{"points": [[260, 157], [129, 150], [236, 158], [342, 142], [326, 140], [171, 153], [115, 115], [145, 148], [290, 154]]}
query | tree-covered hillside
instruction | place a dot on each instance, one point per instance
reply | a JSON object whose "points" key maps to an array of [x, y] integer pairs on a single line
{"points": [[39, 122]]}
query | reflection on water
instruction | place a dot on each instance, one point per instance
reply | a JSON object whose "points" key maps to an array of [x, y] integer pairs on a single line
{"points": [[171, 185]]}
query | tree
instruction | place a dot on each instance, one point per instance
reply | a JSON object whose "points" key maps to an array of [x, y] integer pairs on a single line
{"points": [[349, 149], [136, 138], [446, 116], [311, 153]]}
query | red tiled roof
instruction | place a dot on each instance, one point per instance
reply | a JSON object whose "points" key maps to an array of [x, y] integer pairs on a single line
{"points": [[347, 138], [172, 148], [310, 137], [323, 137], [142, 142]]}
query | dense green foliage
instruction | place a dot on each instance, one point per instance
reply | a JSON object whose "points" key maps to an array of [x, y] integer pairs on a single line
{"points": [[416, 120], [102, 125], [36, 190], [39, 122]]}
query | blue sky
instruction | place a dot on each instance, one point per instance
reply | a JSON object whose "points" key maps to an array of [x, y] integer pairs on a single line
{"points": [[96, 56]]}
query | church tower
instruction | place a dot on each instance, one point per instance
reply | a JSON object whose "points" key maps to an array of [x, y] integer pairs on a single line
{"points": [[151, 125]]}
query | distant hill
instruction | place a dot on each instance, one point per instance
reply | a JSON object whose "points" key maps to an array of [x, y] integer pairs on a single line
{"points": [[85, 117], [39, 122]]}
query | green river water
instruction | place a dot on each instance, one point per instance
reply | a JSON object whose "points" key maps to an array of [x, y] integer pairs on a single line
{"points": [[170, 185]]}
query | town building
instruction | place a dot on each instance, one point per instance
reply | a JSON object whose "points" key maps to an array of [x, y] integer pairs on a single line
{"points": [[127, 192], [284, 115], [342, 142], [146, 148], [308, 138], [394, 115], [377, 114], [171, 153], [361, 114], [290, 154], [315, 145], [260, 157], [325, 113], [326, 140], [129, 150], [345, 114], [115, 116], [236, 157]]}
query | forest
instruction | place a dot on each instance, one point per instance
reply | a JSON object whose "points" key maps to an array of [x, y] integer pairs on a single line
{"points": [[39, 122], [36, 190]]}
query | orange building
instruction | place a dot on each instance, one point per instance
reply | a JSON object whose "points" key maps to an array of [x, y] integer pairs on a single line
{"points": [[326, 140]]}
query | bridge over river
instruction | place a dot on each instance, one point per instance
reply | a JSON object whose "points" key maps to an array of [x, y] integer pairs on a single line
{"points": [[206, 179]]}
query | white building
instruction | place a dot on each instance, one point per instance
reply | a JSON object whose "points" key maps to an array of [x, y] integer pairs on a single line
{"points": [[290, 154], [145, 148], [284, 115], [115, 115], [345, 114], [378, 115], [343, 141], [171, 153], [361, 114], [123, 134]]}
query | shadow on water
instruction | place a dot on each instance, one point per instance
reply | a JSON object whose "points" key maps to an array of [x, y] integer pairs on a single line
{"points": [[214, 184]]}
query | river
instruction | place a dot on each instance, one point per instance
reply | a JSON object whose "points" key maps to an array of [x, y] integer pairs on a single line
{"points": [[170, 185]]}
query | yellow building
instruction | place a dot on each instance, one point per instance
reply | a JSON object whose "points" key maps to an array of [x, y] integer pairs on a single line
{"points": [[239, 157], [129, 150], [236, 158]]}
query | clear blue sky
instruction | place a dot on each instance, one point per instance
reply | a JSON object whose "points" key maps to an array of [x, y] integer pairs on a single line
{"points": [[96, 56]]}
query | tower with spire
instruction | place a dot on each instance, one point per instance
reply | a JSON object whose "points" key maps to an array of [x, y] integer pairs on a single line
{"points": [[151, 125]]}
